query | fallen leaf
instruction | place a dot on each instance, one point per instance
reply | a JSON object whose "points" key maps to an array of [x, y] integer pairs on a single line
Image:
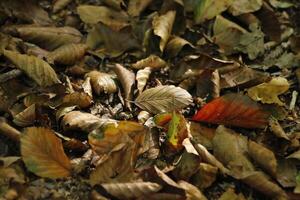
{"points": [[162, 27], [205, 176], [297, 188], [202, 134], [175, 45], [286, 172], [127, 79], [26, 117], [230, 194], [131, 190], [154, 62], [142, 77], [208, 84], [102, 82], [268, 92], [239, 7], [235, 110], [192, 192], [34, 67], [67, 54], [80, 99], [208, 9], [59, 5], [43, 153], [49, 38], [135, 7], [163, 99]]}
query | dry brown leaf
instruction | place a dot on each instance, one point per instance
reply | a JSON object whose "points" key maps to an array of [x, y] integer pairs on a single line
{"points": [[244, 6], [175, 45], [131, 190], [208, 84], [202, 134], [142, 77], [67, 54], [26, 117], [80, 99], [60, 4], [34, 67], [135, 7], [277, 130], [230, 194], [162, 27], [264, 157], [205, 176], [49, 38], [192, 192], [43, 153], [77, 120], [152, 61], [102, 82], [127, 79], [164, 98]]}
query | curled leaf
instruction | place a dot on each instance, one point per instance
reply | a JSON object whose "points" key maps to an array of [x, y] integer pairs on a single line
{"points": [[163, 99], [67, 54], [135, 7], [26, 117], [81, 99], [34, 67], [102, 82], [60, 4], [175, 45], [142, 77], [152, 61], [235, 110], [43, 153], [268, 92]]}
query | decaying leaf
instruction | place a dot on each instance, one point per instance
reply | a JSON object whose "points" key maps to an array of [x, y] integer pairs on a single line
{"points": [[43, 154], [268, 92], [239, 7], [34, 67], [135, 7], [102, 82], [208, 9], [192, 192], [67, 54], [163, 99], [131, 190], [26, 117], [81, 99], [205, 176], [230, 194], [208, 84], [235, 110], [49, 38], [142, 77], [162, 27], [175, 45], [152, 61]]}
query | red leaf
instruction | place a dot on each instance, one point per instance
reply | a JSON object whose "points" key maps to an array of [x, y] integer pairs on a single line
{"points": [[233, 109]]}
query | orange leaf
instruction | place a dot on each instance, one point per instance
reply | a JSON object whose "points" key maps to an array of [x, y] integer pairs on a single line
{"points": [[43, 153], [233, 109]]}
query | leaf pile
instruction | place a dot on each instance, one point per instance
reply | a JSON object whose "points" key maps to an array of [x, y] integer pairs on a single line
{"points": [[149, 99]]}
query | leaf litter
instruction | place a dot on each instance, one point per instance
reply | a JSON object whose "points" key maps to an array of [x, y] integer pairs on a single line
{"points": [[151, 99]]}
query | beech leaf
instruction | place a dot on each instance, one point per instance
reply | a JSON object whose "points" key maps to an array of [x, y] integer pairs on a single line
{"points": [[102, 82], [163, 99], [37, 69], [152, 61], [142, 77], [235, 110], [43, 153]]}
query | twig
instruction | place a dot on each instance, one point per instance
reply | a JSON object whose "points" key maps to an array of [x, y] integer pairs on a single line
{"points": [[10, 75], [8, 130]]}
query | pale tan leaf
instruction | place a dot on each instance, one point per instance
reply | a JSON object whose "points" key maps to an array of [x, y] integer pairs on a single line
{"points": [[34, 67], [87, 122], [244, 6], [268, 92], [152, 61], [127, 79], [60, 4], [131, 190], [135, 7], [143, 116], [81, 99], [49, 38], [87, 86], [192, 192], [67, 54], [142, 77], [263, 156], [43, 153], [163, 99], [162, 27], [26, 117], [102, 82]]}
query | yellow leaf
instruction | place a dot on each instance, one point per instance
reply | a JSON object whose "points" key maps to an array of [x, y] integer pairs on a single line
{"points": [[43, 153], [268, 92]]}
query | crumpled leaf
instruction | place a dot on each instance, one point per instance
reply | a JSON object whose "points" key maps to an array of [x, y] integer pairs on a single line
{"points": [[26, 117], [205, 176], [49, 38], [87, 122], [235, 110], [239, 7], [102, 82], [208, 84], [227, 34], [127, 79], [67, 54], [131, 190], [208, 9], [268, 92], [142, 77], [90, 14], [163, 99], [108, 42], [43, 153], [81, 99], [37, 69], [152, 61], [192, 192], [252, 43], [135, 7], [162, 27], [175, 45]]}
